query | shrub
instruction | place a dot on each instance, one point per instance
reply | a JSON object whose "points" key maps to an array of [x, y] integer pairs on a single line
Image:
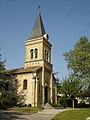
{"points": [[63, 101], [8, 99]]}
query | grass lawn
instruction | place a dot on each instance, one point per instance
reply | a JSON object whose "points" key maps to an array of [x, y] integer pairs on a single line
{"points": [[27, 109], [76, 114]]}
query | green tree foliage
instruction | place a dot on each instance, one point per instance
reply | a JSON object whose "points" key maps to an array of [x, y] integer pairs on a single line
{"points": [[78, 64], [79, 58], [70, 88], [2, 66], [78, 61], [8, 96]]}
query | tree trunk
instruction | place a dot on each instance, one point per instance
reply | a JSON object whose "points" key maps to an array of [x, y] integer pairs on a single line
{"points": [[73, 103]]}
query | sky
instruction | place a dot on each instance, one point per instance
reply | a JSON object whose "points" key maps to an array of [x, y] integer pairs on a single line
{"points": [[64, 20]]}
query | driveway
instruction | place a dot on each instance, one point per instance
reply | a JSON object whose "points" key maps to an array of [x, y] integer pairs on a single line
{"points": [[46, 114]]}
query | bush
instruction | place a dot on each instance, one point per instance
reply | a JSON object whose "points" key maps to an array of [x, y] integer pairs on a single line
{"points": [[67, 102], [63, 102], [8, 99], [58, 105], [83, 105], [29, 105]]}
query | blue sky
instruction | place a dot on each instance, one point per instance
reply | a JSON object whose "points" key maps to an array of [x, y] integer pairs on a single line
{"points": [[65, 21]]}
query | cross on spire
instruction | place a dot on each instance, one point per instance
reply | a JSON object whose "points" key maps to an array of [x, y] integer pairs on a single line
{"points": [[39, 9]]}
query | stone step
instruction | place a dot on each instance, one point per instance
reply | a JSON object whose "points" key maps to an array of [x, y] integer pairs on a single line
{"points": [[48, 106]]}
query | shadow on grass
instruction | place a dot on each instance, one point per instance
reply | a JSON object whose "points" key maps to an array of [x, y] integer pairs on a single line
{"points": [[11, 115]]}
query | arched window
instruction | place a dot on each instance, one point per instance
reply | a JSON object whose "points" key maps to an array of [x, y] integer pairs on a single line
{"points": [[31, 53], [49, 57], [46, 55], [25, 84], [36, 53]]}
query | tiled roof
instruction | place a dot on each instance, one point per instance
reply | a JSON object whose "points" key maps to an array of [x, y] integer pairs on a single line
{"points": [[22, 70]]}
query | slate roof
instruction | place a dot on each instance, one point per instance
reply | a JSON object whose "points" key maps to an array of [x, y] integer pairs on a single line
{"points": [[38, 28]]}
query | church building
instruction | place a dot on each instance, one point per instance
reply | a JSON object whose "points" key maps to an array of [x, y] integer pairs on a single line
{"points": [[36, 84]]}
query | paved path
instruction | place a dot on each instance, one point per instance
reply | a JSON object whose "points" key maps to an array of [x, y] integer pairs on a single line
{"points": [[46, 114]]}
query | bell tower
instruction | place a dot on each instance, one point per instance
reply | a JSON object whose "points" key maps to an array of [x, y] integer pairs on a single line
{"points": [[38, 47], [38, 54]]}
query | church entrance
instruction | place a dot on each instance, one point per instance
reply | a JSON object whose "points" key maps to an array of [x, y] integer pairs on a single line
{"points": [[46, 94]]}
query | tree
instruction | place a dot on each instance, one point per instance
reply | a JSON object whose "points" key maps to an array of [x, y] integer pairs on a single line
{"points": [[78, 61], [8, 96], [1, 63], [70, 88], [78, 64]]}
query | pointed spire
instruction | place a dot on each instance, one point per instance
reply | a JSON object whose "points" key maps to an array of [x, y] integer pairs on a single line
{"points": [[38, 28]]}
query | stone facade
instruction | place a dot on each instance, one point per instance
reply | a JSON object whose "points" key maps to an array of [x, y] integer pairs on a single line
{"points": [[36, 84], [41, 44]]}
